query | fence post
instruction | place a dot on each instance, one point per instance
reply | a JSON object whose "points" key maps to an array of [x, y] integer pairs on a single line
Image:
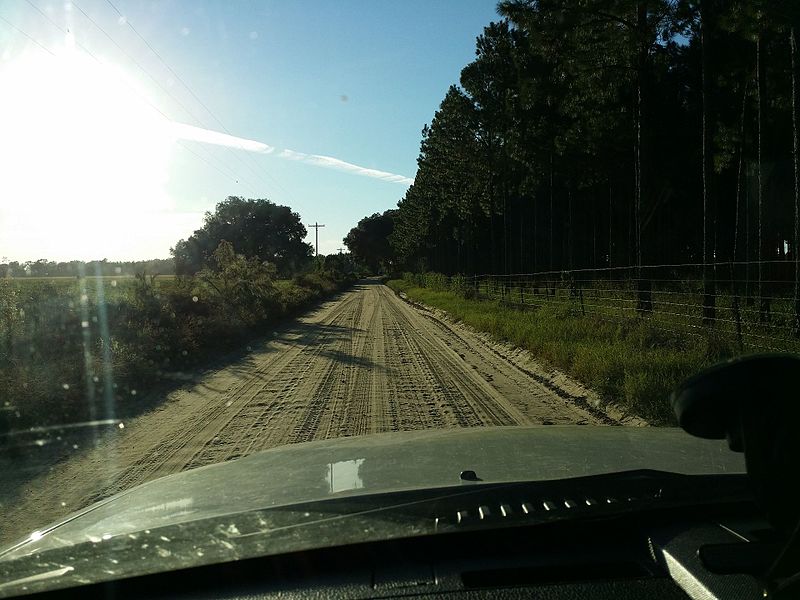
{"points": [[709, 296], [737, 315], [644, 295]]}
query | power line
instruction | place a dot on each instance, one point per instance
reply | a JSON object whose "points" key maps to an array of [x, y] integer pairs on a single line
{"points": [[185, 109], [210, 164], [18, 30], [189, 89], [141, 96], [316, 227]]}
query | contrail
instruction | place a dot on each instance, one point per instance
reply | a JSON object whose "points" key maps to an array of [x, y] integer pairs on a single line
{"points": [[198, 134], [208, 136]]}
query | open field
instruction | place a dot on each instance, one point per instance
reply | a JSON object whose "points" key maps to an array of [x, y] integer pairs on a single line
{"points": [[364, 362]]}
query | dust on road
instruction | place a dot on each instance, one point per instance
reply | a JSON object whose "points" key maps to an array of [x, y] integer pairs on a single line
{"points": [[365, 362]]}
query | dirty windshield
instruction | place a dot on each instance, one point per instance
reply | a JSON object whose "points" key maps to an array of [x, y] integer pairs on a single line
{"points": [[228, 228]]}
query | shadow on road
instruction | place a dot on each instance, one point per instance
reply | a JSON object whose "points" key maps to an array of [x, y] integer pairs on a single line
{"points": [[28, 454]]}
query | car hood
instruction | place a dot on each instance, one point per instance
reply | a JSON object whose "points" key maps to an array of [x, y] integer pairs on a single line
{"points": [[387, 462]]}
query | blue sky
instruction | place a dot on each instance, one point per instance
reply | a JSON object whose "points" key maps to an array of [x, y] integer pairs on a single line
{"points": [[351, 80]]}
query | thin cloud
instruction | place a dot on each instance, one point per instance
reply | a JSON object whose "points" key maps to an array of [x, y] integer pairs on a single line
{"points": [[198, 134], [330, 162], [208, 136]]}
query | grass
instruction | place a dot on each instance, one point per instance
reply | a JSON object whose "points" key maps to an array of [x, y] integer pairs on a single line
{"points": [[628, 361]]}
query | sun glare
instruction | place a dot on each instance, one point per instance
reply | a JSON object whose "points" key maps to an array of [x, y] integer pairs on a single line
{"points": [[84, 159]]}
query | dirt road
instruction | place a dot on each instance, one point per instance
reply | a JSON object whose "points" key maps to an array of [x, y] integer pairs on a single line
{"points": [[365, 362]]}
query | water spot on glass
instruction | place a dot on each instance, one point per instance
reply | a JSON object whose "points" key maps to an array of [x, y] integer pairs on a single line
{"points": [[147, 531], [145, 546], [36, 535], [63, 504], [22, 313], [228, 403], [74, 446], [96, 379], [249, 348], [165, 538], [121, 425], [106, 536], [184, 352], [114, 561], [84, 298], [185, 31], [199, 553], [163, 552], [133, 392], [122, 21], [117, 270], [85, 324], [195, 298], [114, 386], [94, 539], [65, 386], [253, 35], [67, 6], [94, 319], [40, 443], [113, 283]]}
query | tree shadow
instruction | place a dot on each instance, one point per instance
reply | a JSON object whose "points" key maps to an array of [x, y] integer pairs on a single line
{"points": [[26, 455]]}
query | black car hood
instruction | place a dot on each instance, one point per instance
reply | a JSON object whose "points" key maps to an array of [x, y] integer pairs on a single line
{"points": [[388, 462]]}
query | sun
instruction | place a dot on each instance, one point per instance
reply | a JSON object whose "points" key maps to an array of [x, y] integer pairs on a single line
{"points": [[84, 158]]}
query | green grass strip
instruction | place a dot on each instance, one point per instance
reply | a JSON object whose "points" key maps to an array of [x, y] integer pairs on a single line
{"points": [[629, 361]]}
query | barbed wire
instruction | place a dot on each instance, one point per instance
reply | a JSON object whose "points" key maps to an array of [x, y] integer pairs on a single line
{"points": [[606, 294]]}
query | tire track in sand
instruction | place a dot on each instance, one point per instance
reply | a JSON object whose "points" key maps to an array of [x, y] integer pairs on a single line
{"points": [[365, 362]]}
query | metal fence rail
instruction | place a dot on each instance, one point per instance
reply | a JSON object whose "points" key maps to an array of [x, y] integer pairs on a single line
{"points": [[722, 300]]}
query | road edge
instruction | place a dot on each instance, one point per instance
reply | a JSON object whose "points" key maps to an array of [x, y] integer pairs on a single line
{"points": [[560, 383]]}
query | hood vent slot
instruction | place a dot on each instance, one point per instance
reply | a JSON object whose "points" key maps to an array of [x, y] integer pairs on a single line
{"points": [[520, 509]]}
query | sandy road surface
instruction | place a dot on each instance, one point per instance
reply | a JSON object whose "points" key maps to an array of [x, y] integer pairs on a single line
{"points": [[365, 362]]}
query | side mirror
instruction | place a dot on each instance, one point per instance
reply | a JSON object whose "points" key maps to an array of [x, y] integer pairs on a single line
{"points": [[754, 403]]}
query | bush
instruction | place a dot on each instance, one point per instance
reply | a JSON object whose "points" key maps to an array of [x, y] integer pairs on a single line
{"points": [[59, 343]]}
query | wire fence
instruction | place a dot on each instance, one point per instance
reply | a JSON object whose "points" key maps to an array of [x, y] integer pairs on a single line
{"points": [[751, 304]]}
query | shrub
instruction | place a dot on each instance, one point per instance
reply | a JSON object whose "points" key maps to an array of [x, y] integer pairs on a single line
{"points": [[59, 343]]}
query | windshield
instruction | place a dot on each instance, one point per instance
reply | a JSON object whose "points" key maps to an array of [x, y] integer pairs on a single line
{"points": [[228, 228]]}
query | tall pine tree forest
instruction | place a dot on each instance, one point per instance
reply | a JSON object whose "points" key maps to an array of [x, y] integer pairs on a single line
{"points": [[589, 134]]}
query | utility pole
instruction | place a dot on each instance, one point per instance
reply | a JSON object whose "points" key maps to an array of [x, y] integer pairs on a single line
{"points": [[316, 227]]}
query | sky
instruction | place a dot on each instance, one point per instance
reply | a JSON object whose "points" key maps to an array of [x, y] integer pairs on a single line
{"points": [[123, 121]]}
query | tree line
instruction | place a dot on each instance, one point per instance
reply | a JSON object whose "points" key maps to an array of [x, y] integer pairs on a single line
{"points": [[608, 133], [93, 268]]}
